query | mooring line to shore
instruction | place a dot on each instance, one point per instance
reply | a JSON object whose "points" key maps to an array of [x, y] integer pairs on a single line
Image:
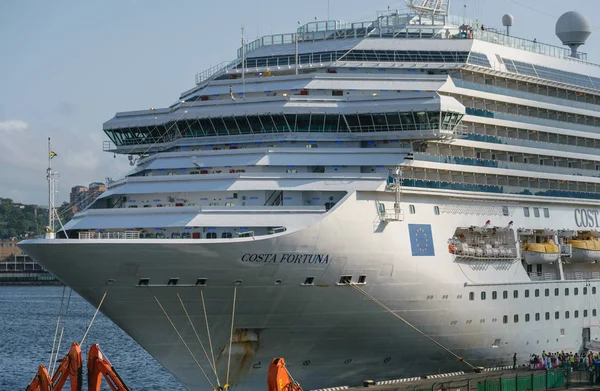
{"points": [[62, 330], [208, 330], [199, 340], [379, 303], [181, 338], [94, 317], [57, 325], [231, 334]]}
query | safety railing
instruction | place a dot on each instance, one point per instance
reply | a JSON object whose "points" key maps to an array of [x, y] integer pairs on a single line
{"points": [[582, 275], [110, 235]]}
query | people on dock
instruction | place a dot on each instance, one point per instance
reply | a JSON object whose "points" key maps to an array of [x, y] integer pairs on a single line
{"points": [[552, 360]]}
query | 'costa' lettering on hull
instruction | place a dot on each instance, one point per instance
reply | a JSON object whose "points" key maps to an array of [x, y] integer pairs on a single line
{"points": [[586, 218], [287, 258]]}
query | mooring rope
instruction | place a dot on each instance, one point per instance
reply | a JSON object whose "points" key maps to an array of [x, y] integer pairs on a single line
{"points": [[94, 317], [231, 335], [61, 332], [182, 340], [369, 296], [199, 340], [57, 326], [208, 331]]}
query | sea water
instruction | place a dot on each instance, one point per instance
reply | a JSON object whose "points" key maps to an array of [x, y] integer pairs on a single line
{"points": [[27, 325]]}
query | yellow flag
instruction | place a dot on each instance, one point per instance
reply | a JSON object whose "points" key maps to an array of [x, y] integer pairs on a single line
{"points": [[52, 154]]}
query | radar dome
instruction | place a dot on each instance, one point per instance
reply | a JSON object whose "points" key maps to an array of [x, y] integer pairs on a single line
{"points": [[572, 28], [508, 20]]}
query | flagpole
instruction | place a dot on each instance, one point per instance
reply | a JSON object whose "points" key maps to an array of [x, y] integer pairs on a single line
{"points": [[50, 176]]}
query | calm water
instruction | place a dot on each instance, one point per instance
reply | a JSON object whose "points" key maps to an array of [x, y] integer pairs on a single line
{"points": [[27, 324]]}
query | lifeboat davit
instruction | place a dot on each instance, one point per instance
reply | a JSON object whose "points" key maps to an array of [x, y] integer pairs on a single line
{"points": [[536, 253], [585, 250]]}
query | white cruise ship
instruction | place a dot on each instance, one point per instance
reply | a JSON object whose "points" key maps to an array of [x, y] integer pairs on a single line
{"points": [[451, 171]]}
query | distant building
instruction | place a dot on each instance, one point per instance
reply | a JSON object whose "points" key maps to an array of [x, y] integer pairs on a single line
{"points": [[82, 196], [78, 198], [94, 191]]}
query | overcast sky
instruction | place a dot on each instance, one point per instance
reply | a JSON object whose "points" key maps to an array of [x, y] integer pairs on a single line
{"points": [[68, 66]]}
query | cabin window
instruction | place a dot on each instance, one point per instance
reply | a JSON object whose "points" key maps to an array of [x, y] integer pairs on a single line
{"points": [[567, 314], [526, 317], [547, 315], [494, 295], [505, 319], [576, 313], [505, 295], [526, 292], [537, 317], [585, 290], [483, 295], [516, 318], [505, 211], [556, 315], [526, 212], [556, 292], [594, 312], [471, 296], [536, 212], [226, 235], [575, 291], [516, 294], [436, 210], [585, 313], [566, 291], [546, 212], [411, 209], [547, 292], [593, 290], [537, 293]]}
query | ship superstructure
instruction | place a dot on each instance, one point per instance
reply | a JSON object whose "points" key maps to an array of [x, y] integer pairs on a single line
{"points": [[450, 170]]}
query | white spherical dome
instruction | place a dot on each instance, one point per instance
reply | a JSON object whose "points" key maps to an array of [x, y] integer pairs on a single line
{"points": [[508, 20], [573, 28]]}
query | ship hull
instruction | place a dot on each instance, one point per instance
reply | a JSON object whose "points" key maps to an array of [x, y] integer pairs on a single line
{"points": [[330, 333]]}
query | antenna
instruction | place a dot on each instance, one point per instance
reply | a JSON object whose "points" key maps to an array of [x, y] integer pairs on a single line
{"points": [[243, 66], [50, 176], [507, 21], [573, 29]]}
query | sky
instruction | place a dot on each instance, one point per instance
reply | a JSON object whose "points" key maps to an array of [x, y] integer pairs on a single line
{"points": [[68, 66]]}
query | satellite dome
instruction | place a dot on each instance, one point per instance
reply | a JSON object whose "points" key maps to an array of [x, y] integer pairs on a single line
{"points": [[507, 20], [572, 28]]}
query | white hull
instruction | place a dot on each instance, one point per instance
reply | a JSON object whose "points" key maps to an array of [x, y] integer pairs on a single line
{"points": [[330, 334]]}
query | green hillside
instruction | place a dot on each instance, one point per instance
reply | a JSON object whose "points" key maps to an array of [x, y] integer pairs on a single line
{"points": [[18, 220]]}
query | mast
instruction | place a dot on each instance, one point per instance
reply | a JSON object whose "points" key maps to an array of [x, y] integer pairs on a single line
{"points": [[50, 177], [243, 65]]}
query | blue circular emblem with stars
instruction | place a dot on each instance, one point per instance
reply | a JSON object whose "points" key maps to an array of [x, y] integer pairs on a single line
{"points": [[421, 240]]}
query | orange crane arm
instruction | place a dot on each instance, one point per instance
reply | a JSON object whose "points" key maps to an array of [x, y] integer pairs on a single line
{"points": [[69, 368], [98, 366], [41, 381], [279, 379]]}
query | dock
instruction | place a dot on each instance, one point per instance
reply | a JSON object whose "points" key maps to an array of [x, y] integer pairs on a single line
{"points": [[17, 268], [490, 379]]}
